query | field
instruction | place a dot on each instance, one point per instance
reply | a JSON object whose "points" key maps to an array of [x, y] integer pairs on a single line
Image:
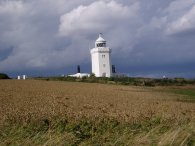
{"points": [[36, 112]]}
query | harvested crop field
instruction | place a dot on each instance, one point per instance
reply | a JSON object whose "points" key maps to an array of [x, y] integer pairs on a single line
{"points": [[140, 115]]}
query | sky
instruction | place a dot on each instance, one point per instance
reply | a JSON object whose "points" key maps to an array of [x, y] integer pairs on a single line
{"points": [[149, 38]]}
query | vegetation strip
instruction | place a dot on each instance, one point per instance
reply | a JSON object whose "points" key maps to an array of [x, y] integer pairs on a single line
{"points": [[98, 132]]}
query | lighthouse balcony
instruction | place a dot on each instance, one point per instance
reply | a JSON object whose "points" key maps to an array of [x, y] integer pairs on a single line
{"points": [[101, 50]]}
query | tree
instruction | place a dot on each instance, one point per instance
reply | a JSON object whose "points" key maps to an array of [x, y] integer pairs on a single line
{"points": [[4, 76]]}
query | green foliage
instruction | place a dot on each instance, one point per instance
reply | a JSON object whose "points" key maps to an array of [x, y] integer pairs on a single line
{"points": [[92, 132], [191, 141], [189, 95], [149, 82], [92, 75], [4, 76], [187, 92]]}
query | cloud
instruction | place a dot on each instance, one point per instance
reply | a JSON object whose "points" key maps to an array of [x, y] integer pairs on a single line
{"points": [[11, 6], [110, 17], [31, 30], [47, 36], [184, 24], [98, 16]]}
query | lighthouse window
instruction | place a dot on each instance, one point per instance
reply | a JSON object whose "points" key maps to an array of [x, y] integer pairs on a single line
{"points": [[101, 45], [104, 65], [103, 56]]}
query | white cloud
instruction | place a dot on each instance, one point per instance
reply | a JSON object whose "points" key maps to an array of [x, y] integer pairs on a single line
{"points": [[11, 6], [183, 24], [179, 7], [98, 16]]}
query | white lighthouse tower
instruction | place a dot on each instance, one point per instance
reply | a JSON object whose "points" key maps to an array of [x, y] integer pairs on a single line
{"points": [[101, 58]]}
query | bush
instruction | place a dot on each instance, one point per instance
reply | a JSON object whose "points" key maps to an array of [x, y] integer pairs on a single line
{"points": [[4, 76], [125, 80]]}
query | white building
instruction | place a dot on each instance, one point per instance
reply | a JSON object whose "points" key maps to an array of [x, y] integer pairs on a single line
{"points": [[80, 75], [101, 59], [18, 77], [24, 77]]}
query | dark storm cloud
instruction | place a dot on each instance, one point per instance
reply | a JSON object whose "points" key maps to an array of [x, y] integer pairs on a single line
{"points": [[147, 37], [4, 54]]}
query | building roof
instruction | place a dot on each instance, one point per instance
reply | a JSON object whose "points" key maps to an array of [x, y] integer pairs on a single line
{"points": [[80, 75], [100, 39]]}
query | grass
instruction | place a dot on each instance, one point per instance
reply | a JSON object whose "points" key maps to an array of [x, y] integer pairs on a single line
{"points": [[186, 92], [100, 132], [71, 113]]}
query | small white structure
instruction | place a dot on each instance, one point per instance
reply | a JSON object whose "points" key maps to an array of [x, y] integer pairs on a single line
{"points": [[24, 77], [80, 75], [101, 59], [18, 78]]}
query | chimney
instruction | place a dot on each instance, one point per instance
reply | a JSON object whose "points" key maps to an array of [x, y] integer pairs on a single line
{"points": [[78, 69], [113, 69]]}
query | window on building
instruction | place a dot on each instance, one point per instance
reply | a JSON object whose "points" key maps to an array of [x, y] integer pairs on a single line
{"points": [[104, 65], [103, 56], [101, 45]]}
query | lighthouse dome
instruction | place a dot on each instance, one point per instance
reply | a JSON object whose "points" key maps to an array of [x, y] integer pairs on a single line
{"points": [[100, 39], [100, 42]]}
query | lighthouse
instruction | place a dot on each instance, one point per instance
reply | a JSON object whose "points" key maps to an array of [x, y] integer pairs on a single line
{"points": [[101, 58]]}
